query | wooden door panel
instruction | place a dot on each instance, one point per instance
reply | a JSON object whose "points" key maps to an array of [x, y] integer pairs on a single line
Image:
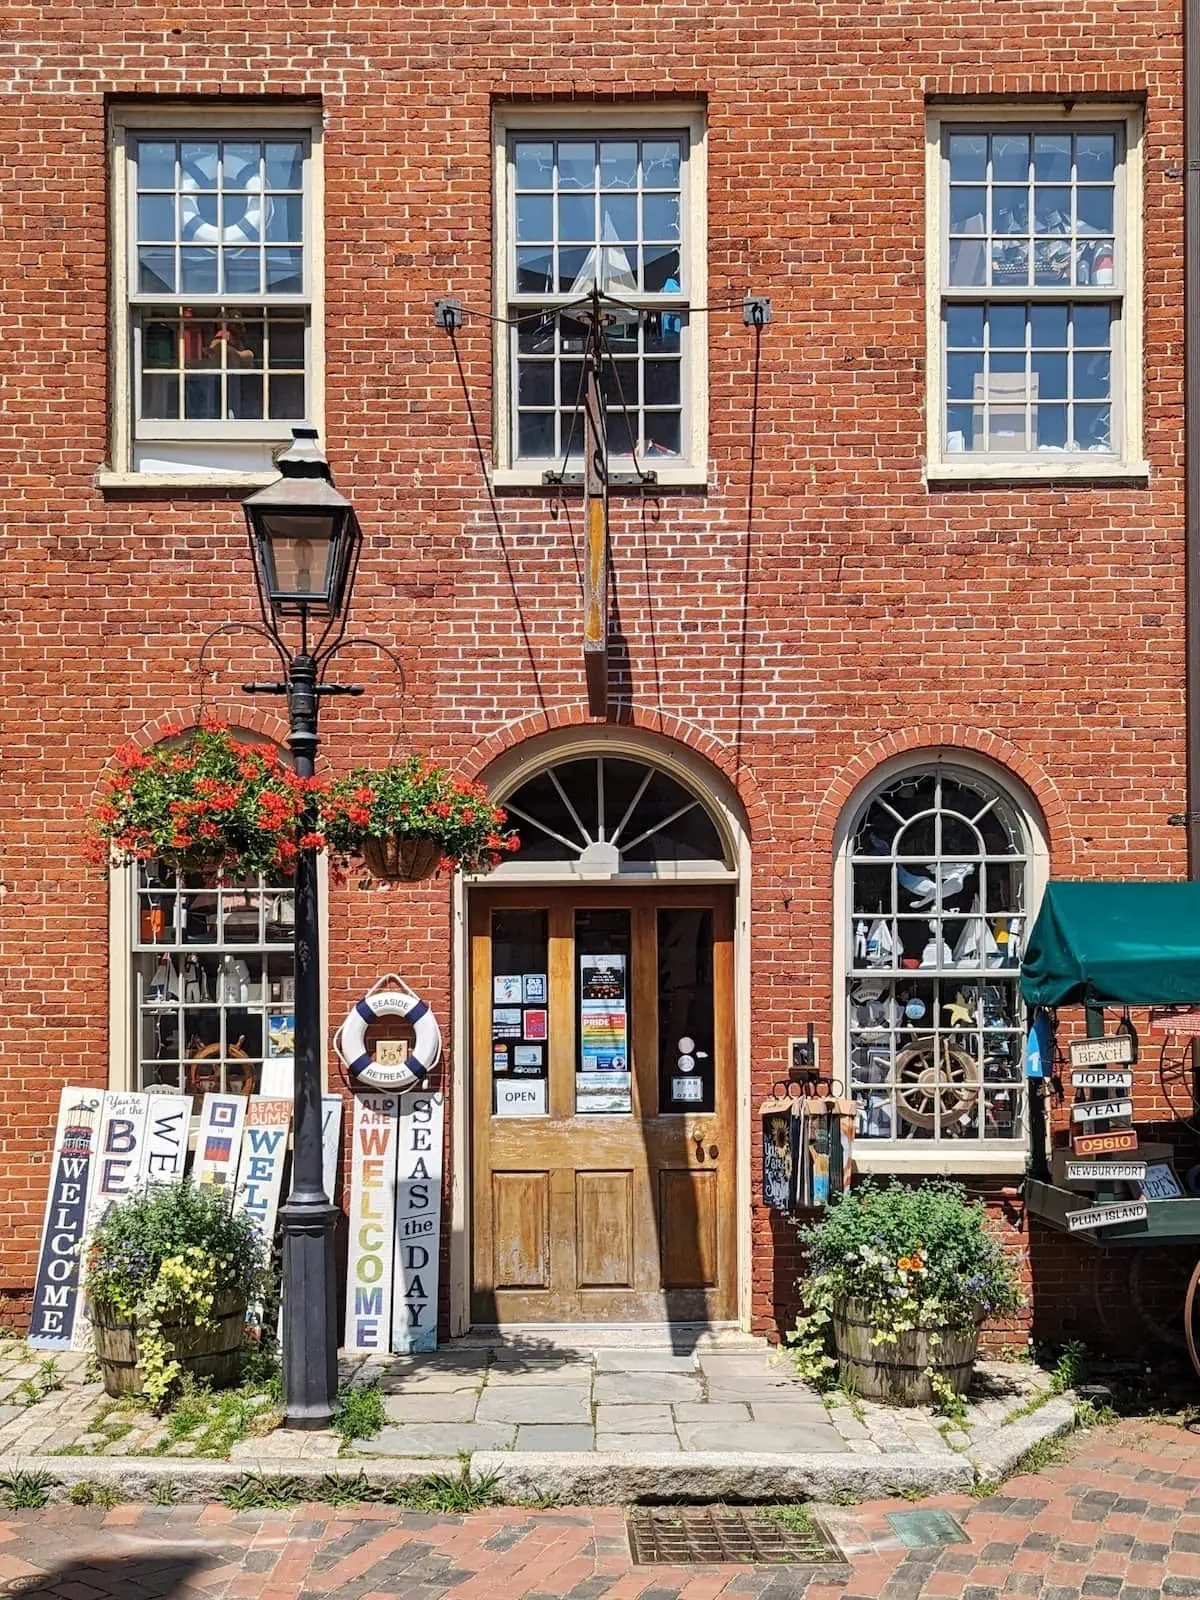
{"points": [[521, 1230], [687, 1228], [604, 1234]]}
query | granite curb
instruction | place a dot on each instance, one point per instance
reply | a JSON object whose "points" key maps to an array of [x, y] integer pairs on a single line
{"points": [[591, 1477]]}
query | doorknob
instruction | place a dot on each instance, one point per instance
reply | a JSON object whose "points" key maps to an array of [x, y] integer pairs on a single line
{"points": [[713, 1152]]}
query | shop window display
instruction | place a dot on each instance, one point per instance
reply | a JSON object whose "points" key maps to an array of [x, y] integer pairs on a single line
{"points": [[938, 889], [213, 981]]}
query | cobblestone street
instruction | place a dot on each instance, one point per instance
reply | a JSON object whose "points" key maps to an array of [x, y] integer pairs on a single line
{"points": [[1117, 1518]]}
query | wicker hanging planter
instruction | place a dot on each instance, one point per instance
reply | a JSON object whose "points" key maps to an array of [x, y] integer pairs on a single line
{"points": [[401, 859]]}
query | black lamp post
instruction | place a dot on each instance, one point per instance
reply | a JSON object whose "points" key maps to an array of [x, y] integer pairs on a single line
{"points": [[305, 542]]}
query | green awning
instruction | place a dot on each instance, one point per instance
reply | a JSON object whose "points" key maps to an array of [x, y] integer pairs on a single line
{"points": [[1135, 944]]}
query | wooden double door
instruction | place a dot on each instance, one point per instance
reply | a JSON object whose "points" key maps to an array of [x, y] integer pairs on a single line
{"points": [[604, 1115]]}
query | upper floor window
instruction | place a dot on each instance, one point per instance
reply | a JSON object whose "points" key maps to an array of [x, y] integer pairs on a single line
{"points": [[1035, 242], [217, 334], [614, 203]]}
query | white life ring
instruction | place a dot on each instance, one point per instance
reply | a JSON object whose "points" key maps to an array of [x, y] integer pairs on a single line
{"points": [[247, 230], [350, 1041]]}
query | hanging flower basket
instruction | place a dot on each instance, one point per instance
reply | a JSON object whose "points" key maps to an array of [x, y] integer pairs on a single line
{"points": [[397, 859], [407, 819], [210, 804]]}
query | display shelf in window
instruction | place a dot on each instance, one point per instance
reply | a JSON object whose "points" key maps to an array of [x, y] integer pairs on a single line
{"points": [[213, 980]]}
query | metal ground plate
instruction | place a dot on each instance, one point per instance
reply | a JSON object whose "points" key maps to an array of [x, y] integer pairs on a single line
{"points": [[725, 1535]]}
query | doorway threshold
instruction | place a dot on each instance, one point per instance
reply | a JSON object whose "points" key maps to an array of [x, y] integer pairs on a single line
{"points": [[680, 1337]]}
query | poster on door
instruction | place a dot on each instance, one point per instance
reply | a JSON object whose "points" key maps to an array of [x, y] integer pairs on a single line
{"points": [[604, 1083]]}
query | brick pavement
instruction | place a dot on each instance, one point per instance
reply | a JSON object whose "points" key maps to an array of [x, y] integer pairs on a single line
{"points": [[1117, 1519]]}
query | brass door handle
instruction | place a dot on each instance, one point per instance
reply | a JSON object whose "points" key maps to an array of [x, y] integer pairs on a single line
{"points": [[713, 1152]]}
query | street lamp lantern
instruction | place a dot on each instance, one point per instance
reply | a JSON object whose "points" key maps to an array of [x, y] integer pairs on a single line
{"points": [[303, 533]]}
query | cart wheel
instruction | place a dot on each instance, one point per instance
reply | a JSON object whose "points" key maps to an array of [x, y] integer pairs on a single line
{"points": [[1190, 1310]]}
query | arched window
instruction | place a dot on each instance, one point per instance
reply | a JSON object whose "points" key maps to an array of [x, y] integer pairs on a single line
{"points": [[936, 888], [613, 814]]}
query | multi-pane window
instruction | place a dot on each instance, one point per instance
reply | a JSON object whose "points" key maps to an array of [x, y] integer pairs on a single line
{"points": [[938, 883], [608, 212], [1033, 277], [214, 986], [218, 276]]}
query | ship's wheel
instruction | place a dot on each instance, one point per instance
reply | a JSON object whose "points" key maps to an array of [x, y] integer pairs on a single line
{"points": [[1177, 1075], [937, 1084]]}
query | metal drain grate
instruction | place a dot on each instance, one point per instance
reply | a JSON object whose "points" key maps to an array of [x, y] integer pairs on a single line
{"points": [[720, 1535]]}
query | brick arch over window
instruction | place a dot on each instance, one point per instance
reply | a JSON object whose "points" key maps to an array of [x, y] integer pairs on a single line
{"points": [[944, 740], [574, 718]]}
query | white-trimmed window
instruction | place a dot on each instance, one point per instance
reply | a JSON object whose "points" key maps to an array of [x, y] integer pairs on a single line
{"points": [[938, 869], [614, 198], [217, 343], [1034, 256]]}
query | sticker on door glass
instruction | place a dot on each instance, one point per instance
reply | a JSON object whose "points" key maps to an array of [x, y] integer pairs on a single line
{"points": [[534, 984], [527, 1057], [521, 1097], [687, 1088], [535, 1024], [506, 1022], [604, 1083], [506, 989]]}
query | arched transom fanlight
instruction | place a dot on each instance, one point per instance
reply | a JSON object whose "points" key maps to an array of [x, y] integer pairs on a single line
{"points": [[604, 812]]}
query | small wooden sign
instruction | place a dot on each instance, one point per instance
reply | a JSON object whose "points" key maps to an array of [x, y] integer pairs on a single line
{"points": [[1094, 1079], [1185, 1019], [372, 1220], [1116, 1050], [1101, 1110], [1107, 1216], [1105, 1171], [418, 1221], [1118, 1143]]}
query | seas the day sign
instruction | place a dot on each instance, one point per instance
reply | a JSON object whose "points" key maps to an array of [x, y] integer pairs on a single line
{"points": [[418, 1221]]}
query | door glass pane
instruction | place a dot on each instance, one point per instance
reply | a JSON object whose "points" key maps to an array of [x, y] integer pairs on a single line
{"points": [[686, 1068], [520, 1013], [603, 1077]]}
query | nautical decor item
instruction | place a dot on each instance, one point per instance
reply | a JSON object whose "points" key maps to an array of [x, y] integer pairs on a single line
{"points": [[391, 996]]}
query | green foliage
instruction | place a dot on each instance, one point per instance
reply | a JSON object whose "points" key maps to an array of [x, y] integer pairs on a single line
{"points": [[1071, 1368], [82, 1493], [1045, 1453], [214, 1420], [946, 1399], [448, 1492], [212, 803], [359, 1412], [336, 1490], [26, 1491], [795, 1518], [416, 799], [255, 1491], [167, 1253], [164, 1494], [914, 1257], [45, 1381], [811, 1345]]}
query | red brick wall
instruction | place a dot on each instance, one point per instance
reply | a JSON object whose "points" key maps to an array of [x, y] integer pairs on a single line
{"points": [[856, 613]]}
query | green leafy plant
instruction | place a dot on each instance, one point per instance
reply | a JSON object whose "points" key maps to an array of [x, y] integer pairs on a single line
{"points": [[416, 799], [82, 1493], [946, 1399], [255, 1491], [172, 1253], [335, 1490], [26, 1491], [916, 1257], [164, 1494], [359, 1412], [45, 1381], [214, 1421], [1071, 1367], [212, 802], [455, 1493]]}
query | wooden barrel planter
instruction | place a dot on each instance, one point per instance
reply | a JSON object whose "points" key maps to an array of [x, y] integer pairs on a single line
{"points": [[213, 1353], [399, 859], [896, 1372]]}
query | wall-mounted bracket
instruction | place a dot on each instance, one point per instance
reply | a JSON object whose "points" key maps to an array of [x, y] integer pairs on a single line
{"points": [[756, 310], [448, 314]]}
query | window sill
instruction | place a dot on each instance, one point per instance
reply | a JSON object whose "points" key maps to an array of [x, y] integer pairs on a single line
{"points": [[678, 477], [1081, 469], [937, 1160], [108, 481]]}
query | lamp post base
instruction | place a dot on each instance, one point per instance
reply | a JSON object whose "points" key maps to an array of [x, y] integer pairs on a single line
{"points": [[309, 1312]]}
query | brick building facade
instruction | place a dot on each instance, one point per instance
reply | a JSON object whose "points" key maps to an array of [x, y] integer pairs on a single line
{"points": [[843, 575]]}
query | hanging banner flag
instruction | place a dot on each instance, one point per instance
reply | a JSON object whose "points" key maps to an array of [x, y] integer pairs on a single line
{"points": [[168, 1122], [418, 1221], [331, 1141], [56, 1292], [372, 1219], [219, 1142]]}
